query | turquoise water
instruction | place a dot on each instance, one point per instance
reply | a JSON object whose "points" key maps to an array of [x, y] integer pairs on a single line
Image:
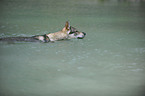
{"points": [[109, 61]]}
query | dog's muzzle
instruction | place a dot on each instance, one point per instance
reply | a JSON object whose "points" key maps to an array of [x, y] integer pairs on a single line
{"points": [[81, 37]]}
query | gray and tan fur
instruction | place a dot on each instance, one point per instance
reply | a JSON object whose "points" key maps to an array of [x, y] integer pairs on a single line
{"points": [[68, 32]]}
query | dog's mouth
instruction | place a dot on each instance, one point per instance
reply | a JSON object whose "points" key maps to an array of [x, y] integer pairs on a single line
{"points": [[81, 36]]}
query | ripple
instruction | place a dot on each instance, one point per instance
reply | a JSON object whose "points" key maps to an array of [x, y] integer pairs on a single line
{"points": [[2, 26], [137, 70]]}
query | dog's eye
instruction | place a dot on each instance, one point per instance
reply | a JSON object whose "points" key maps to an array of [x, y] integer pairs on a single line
{"points": [[71, 32], [75, 34]]}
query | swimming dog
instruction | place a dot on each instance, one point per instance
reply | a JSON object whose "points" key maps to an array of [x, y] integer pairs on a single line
{"points": [[68, 32]]}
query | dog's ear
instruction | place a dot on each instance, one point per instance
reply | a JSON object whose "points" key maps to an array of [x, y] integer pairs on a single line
{"points": [[67, 25]]}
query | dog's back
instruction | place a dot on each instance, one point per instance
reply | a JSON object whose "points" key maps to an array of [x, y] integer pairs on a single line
{"points": [[19, 39]]}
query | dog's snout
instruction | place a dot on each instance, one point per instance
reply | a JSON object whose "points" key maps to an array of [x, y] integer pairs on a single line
{"points": [[84, 33]]}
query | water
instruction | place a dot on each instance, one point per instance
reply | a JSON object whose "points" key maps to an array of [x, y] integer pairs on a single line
{"points": [[109, 61]]}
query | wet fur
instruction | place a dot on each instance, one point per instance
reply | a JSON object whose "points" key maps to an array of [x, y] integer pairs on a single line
{"points": [[26, 39], [67, 32]]}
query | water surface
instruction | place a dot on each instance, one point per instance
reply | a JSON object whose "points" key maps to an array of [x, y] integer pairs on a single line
{"points": [[109, 61]]}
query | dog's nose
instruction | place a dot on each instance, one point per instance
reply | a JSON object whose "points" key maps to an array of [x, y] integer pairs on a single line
{"points": [[84, 33]]}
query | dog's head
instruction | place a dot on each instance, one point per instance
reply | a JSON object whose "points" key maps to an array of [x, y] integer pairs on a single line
{"points": [[73, 32], [76, 34]]}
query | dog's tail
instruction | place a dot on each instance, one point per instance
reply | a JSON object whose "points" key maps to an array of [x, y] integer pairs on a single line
{"points": [[19, 39]]}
